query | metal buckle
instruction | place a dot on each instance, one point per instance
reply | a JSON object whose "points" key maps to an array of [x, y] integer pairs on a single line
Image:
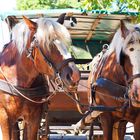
{"points": [[59, 83]]}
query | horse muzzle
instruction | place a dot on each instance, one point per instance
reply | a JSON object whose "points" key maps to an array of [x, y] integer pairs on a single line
{"points": [[70, 77]]}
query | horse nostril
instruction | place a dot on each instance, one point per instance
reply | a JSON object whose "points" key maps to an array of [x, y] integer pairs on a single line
{"points": [[68, 77], [71, 79]]}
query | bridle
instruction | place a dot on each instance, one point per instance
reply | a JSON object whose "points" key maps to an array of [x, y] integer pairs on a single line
{"points": [[57, 70], [128, 84], [129, 80], [58, 67]]}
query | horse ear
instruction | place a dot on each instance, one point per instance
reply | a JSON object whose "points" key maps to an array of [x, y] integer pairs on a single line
{"points": [[124, 29], [11, 21], [31, 24], [61, 18]]}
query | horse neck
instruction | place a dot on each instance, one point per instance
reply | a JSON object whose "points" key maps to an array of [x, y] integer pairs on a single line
{"points": [[17, 69], [112, 70], [26, 72]]}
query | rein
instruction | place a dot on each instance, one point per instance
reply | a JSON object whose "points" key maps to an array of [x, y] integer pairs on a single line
{"points": [[119, 98], [92, 107], [11, 89]]}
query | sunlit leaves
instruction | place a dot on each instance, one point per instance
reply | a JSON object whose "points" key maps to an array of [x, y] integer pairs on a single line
{"points": [[108, 4], [116, 6], [46, 4]]}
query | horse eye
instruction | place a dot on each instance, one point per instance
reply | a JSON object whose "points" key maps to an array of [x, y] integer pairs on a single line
{"points": [[131, 49]]}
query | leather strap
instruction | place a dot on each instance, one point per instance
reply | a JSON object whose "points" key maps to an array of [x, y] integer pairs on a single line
{"points": [[133, 77], [111, 88], [40, 91]]}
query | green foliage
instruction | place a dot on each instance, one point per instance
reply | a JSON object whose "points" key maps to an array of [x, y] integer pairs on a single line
{"points": [[46, 4], [33, 4], [96, 4], [117, 6], [111, 4], [134, 4]]}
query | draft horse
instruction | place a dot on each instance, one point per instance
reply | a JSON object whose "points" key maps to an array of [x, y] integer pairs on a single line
{"points": [[36, 48], [115, 82]]}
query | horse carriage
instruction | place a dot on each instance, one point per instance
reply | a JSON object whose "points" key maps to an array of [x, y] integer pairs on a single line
{"points": [[99, 97]]}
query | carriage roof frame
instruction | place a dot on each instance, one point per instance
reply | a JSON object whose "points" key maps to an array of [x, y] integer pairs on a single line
{"points": [[90, 23], [94, 28]]}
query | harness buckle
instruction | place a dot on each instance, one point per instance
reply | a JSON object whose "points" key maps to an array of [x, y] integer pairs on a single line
{"points": [[59, 83]]}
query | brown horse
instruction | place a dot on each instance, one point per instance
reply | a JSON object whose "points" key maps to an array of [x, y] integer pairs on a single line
{"points": [[37, 48], [115, 82]]}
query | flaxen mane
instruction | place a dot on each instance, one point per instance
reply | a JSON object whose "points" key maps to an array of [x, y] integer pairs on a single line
{"points": [[53, 31], [119, 43]]}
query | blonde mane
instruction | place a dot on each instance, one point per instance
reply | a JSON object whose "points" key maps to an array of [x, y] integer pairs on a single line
{"points": [[47, 31], [119, 43]]}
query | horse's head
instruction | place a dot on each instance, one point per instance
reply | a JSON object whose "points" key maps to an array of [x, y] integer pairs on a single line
{"points": [[48, 45], [128, 55]]}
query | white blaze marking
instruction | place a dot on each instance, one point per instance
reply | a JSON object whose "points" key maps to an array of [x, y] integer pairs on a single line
{"points": [[62, 48], [135, 60]]}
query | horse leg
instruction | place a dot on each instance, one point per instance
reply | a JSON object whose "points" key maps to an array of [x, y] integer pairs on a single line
{"points": [[119, 129], [32, 124], [15, 132], [47, 131], [44, 134], [122, 129], [137, 128], [5, 125], [31, 130], [107, 125]]}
